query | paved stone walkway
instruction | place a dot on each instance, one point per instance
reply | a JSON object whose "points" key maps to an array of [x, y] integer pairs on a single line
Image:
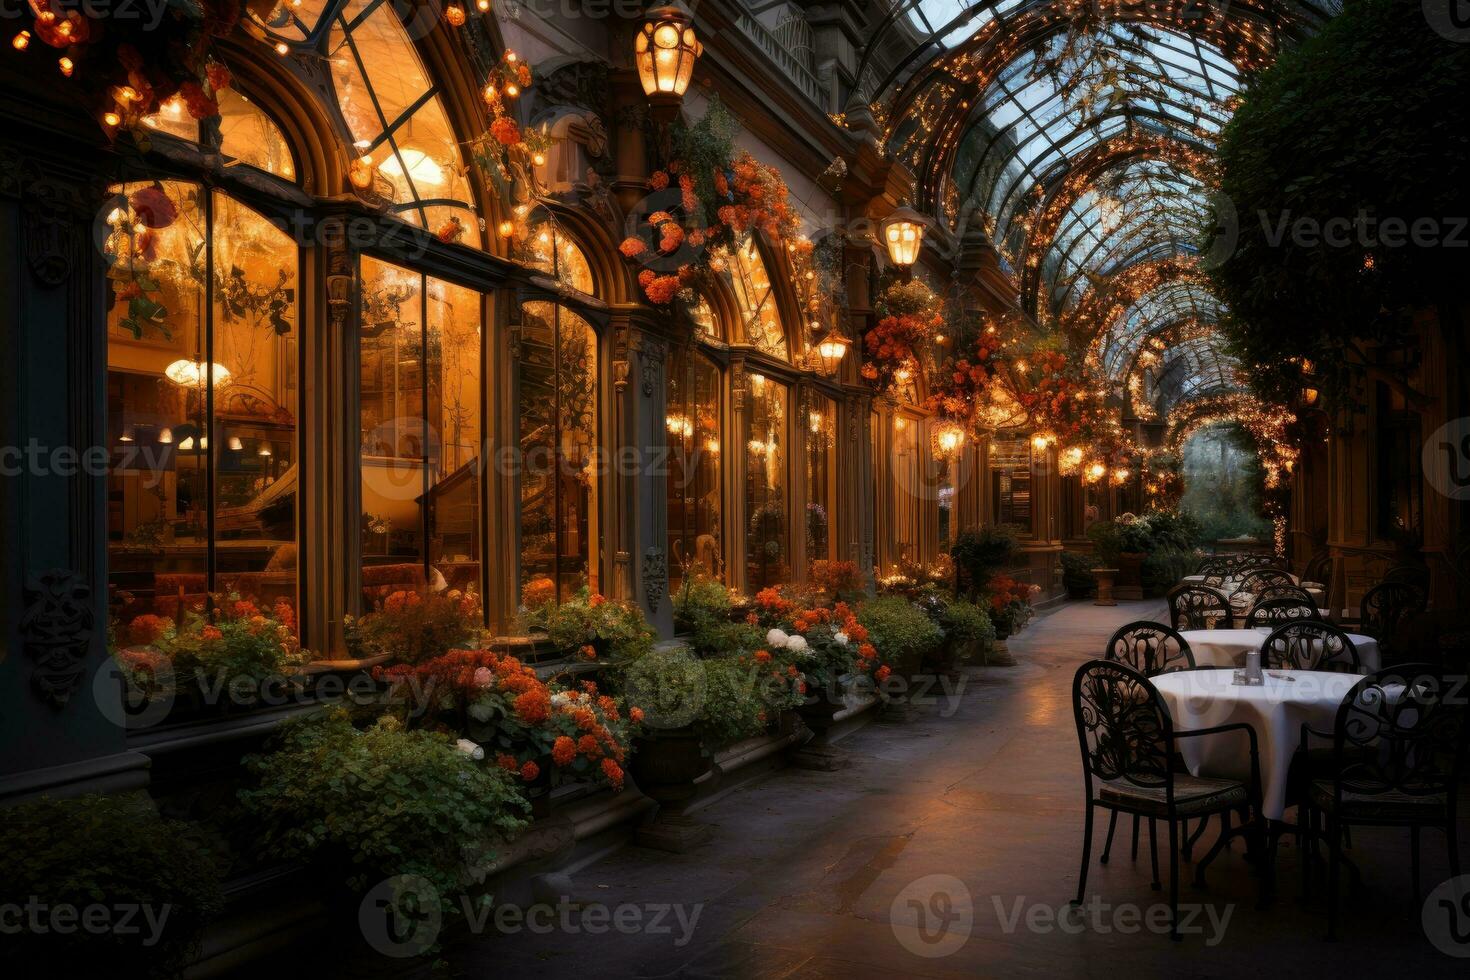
{"points": [[811, 874]]}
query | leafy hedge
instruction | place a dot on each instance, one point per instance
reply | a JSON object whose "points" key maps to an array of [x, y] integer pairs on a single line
{"points": [[1368, 117]]}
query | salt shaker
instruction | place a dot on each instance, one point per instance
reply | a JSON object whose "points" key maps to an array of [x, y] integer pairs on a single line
{"points": [[1253, 667]]}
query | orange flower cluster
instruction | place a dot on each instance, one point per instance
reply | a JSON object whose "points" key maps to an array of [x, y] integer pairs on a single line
{"points": [[538, 592], [893, 344], [959, 392], [749, 196], [836, 576]]}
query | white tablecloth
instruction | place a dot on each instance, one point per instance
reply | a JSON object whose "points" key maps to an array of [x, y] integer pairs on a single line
{"points": [[1227, 648], [1276, 710]]}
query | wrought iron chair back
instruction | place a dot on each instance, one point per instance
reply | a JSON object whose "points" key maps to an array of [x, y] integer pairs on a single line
{"points": [[1123, 727], [1401, 730], [1285, 590], [1259, 578], [1199, 607], [1150, 648], [1309, 644], [1274, 612], [1388, 604]]}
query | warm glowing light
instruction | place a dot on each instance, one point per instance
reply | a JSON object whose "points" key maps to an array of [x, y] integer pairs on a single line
{"points": [[193, 374], [21, 41], [507, 228], [111, 118], [949, 439], [420, 166], [282, 48], [67, 66], [903, 232], [664, 52], [831, 351]]}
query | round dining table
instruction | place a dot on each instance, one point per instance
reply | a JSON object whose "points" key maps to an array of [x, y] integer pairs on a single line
{"points": [[1276, 710], [1227, 648]]}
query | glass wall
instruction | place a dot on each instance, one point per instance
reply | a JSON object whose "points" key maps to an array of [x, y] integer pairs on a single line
{"points": [[202, 401], [821, 468], [558, 438], [421, 405], [766, 539], [695, 503], [907, 468], [760, 318]]}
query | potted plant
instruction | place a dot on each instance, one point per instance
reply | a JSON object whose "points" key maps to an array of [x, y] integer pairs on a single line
{"points": [[382, 804], [412, 627], [979, 553]]}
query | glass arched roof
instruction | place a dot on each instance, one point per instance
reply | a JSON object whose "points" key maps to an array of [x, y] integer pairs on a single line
{"points": [[1080, 135]]}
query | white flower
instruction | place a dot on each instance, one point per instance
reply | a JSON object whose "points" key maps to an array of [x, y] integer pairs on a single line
{"points": [[470, 749], [839, 638], [483, 677], [561, 698], [796, 644], [777, 638]]}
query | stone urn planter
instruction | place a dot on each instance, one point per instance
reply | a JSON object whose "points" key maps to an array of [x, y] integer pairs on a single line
{"points": [[665, 766], [1105, 577], [818, 711]]}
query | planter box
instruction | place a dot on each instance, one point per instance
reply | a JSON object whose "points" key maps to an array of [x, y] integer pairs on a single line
{"points": [[1130, 576]]}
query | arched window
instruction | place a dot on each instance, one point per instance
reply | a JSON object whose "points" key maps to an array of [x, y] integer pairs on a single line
{"points": [[821, 478], [247, 134], [554, 252], [389, 105], [203, 397], [420, 405], [760, 320], [695, 438]]}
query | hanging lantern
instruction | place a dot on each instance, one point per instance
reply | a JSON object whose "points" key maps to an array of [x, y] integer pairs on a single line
{"points": [[949, 439], [903, 232], [831, 350], [665, 51]]}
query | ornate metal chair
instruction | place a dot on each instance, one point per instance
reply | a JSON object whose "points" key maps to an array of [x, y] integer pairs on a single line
{"points": [[1285, 590], [1150, 647], [1199, 607], [1215, 569], [1319, 569], [1387, 605], [1310, 644], [1398, 752], [1415, 575], [1259, 578], [1128, 741], [1274, 612], [1245, 563]]}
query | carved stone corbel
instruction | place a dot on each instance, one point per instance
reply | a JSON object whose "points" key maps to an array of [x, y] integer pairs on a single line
{"points": [[56, 633]]}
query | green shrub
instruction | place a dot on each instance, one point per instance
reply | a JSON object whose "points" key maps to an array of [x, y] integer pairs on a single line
{"points": [[964, 622], [733, 707], [1107, 541], [1163, 569], [107, 851], [367, 805], [981, 552], [587, 619], [900, 631], [700, 602]]}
